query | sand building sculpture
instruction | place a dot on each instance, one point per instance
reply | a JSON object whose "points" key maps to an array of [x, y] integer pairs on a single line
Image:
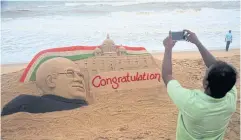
{"points": [[107, 61]]}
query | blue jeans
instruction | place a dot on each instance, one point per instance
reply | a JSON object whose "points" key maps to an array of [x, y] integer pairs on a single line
{"points": [[227, 45]]}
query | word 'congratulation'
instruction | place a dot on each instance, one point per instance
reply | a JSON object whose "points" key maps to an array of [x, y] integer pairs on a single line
{"points": [[115, 81]]}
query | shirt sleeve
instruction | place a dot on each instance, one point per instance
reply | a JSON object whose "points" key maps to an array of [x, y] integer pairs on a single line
{"points": [[233, 94], [178, 94]]}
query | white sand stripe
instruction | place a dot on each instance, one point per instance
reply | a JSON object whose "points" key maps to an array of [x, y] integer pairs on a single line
{"points": [[66, 53], [70, 53], [137, 52]]}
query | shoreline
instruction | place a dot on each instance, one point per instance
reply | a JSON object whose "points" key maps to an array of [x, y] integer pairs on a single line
{"points": [[9, 68], [196, 54]]}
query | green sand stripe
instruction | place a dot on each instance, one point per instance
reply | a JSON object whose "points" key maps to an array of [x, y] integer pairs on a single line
{"points": [[26, 74], [35, 62], [73, 58], [55, 54]]}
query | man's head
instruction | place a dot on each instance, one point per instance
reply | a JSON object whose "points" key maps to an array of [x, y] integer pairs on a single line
{"points": [[229, 31], [219, 79], [62, 77]]}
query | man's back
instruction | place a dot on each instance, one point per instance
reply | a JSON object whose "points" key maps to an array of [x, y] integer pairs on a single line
{"points": [[200, 115]]}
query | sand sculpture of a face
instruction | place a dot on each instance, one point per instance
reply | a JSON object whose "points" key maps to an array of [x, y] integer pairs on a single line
{"points": [[108, 45], [61, 77]]}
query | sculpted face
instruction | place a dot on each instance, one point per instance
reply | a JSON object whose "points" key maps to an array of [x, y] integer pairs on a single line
{"points": [[71, 81], [62, 77]]}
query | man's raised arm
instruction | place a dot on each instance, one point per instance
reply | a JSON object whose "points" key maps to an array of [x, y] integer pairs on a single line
{"points": [[176, 92], [208, 58], [167, 60]]}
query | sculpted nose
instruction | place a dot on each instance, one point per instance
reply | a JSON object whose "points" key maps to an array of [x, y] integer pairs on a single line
{"points": [[77, 77]]}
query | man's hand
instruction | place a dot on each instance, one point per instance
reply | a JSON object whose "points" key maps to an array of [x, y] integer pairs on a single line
{"points": [[168, 42], [191, 37]]}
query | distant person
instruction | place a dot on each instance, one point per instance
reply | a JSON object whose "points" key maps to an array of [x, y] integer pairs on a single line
{"points": [[63, 88], [228, 39], [203, 115]]}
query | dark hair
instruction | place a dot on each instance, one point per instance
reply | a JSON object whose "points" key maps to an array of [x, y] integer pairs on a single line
{"points": [[230, 31], [221, 79]]}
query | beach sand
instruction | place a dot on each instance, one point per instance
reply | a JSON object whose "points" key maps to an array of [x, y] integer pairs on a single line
{"points": [[124, 115]]}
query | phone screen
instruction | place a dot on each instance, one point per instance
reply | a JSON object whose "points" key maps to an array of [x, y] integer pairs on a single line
{"points": [[177, 35]]}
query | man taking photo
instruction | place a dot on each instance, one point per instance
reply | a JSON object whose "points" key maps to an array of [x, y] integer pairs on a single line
{"points": [[202, 114]]}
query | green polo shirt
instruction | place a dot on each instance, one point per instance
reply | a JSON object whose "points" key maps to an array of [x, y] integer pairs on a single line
{"points": [[201, 117]]}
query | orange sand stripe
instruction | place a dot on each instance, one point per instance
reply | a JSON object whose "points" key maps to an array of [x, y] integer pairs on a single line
{"points": [[72, 48], [67, 53]]}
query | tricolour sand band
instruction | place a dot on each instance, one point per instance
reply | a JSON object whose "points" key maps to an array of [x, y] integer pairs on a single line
{"points": [[73, 53]]}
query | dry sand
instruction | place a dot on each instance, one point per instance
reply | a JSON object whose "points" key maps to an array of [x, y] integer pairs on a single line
{"points": [[123, 115]]}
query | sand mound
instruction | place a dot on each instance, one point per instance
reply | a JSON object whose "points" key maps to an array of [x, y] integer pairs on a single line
{"points": [[125, 114], [130, 99], [106, 68]]}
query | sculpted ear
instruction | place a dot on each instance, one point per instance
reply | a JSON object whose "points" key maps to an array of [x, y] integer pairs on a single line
{"points": [[50, 81]]}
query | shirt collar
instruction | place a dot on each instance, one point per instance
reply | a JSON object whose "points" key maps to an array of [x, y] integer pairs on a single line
{"points": [[208, 98]]}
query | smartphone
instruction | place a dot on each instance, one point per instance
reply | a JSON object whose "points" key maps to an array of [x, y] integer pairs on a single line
{"points": [[178, 36]]}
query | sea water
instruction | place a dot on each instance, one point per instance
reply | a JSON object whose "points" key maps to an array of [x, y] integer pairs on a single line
{"points": [[31, 26]]}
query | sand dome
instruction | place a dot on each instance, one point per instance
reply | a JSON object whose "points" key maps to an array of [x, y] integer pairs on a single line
{"points": [[108, 45], [108, 41]]}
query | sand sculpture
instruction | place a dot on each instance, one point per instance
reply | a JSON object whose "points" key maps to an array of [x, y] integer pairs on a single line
{"points": [[121, 51], [61, 77], [108, 45], [97, 52], [63, 85], [103, 63]]}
